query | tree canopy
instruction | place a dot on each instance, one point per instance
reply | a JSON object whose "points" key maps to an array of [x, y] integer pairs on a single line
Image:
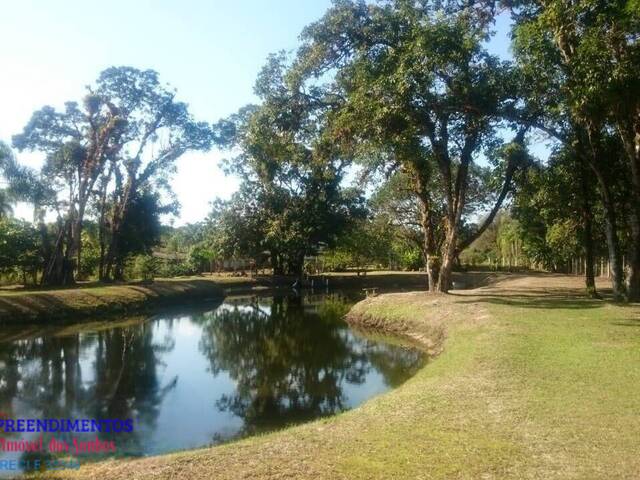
{"points": [[391, 136]]}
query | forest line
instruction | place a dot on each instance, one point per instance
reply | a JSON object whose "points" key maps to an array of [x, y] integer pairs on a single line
{"points": [[407, 95]]}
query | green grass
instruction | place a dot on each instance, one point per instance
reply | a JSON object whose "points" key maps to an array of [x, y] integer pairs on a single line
{"points": [[525, 387], [91, 301], [575, 376]]}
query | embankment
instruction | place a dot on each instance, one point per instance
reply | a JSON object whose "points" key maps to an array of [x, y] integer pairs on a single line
{"points": [[77, 303]]}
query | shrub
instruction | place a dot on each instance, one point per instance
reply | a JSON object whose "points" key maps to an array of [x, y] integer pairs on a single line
{"points": [[146, 267]]}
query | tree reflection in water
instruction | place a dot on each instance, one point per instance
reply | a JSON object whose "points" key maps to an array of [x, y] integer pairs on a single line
{"points": [[225, 370], [291, 360], [43, 378]]}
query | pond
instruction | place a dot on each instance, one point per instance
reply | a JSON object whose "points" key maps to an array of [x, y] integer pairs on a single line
{"points": [[198, 375]]}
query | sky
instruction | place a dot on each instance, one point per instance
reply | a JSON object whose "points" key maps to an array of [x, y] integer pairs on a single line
{"points": [[209, 50]]}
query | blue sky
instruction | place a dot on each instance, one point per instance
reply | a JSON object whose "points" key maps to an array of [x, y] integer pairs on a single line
{"points": [[211, 51]]}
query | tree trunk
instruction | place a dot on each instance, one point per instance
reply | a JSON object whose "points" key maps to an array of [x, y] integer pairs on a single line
{"points": [[613, 242], [587, 218], [448, 259], [46, 247], [276, 263], [429, 251], [633, 285], [111, 256], [102, 227], [595, 160], [631, 142], [101, 265], [76, 238], [59, 270], [75, 245], [114, 261], [296, 266]]}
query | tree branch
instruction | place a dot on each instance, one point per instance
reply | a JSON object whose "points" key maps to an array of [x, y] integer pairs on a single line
{"points": [[512, 166]]}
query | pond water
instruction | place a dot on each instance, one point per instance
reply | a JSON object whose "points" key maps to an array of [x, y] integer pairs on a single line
{"points": [[198, 375]]}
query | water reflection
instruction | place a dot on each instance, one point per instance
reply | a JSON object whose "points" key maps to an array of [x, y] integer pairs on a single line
{"points": [[203, 374]]}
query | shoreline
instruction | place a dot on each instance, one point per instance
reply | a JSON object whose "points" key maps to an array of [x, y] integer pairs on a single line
{"points": [[83, 302], [411, 334], [79, 303], [428, 338], [500, 399]]}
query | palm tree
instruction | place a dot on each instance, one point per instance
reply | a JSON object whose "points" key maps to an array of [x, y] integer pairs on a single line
{"points": [[6, 208]]}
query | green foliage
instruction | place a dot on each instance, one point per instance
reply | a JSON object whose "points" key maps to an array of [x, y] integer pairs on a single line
{"points": [[359, 246], [106, 156], [141, 228], [408, 257], [174, 267], [415, 90], [200, 257], [181, 239], [145, 267], [291, 201], [19, 248], [562, 240], [406, 90], [90, 252], [500, 245], [548, 210]]}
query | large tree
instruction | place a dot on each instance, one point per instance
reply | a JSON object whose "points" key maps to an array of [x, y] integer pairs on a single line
{"points": [[585, 57], [292, 199], [413, 81], [6, 207], [122, 138]]}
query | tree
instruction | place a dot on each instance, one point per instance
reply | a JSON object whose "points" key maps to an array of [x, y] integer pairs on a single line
{"points": [[559, 214], [363, 243], [585, 56], [237, 227], [141, 229], [19, 248], [395, 206], [159, 131], [200, 257], [6, 207], [24, 183], [77, 142], [416, 84], [501, 242], [127, 133], [291, 200]]}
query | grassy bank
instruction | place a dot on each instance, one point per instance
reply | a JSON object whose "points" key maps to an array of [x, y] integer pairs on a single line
{"points": [[532, 381], [91, 300]]}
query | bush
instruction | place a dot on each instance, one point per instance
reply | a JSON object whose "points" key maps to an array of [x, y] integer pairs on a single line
{"points": [[175, 268], [146, 267], [410, 258], [199, 258]]}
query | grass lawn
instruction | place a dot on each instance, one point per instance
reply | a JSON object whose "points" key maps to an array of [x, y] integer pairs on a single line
{"points": [[44, 305], [532, 381], [89, 299]]}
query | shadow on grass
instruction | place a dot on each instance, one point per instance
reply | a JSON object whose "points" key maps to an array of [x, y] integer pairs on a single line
{"points": [[548, 301], [42, 302], [628, 322]]}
